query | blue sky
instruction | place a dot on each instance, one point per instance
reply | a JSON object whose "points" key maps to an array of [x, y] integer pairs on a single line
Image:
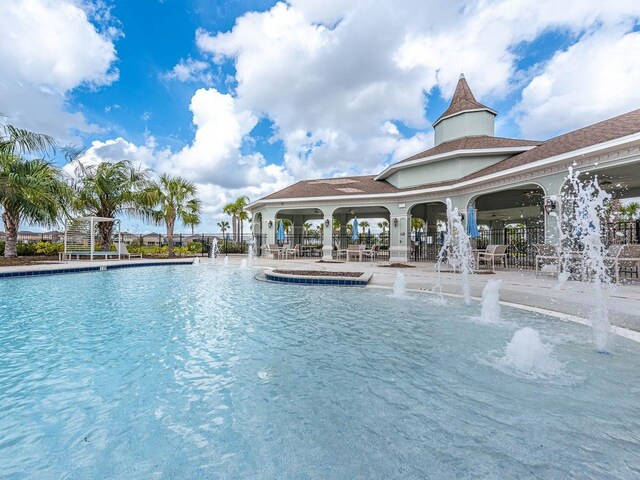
{"points": [[246, 97]]}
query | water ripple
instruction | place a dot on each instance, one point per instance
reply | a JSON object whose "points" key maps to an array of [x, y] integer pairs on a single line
{"points": [[204, 372]]}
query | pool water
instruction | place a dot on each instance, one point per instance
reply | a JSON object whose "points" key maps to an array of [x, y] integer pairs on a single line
{"points": [[205, 372]]}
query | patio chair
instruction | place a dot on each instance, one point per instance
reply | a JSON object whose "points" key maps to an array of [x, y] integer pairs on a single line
{"points": [[273, 250], [124, 251], [627, 259], [492, 253], [294, 251], [371, 253], [546, 254]]}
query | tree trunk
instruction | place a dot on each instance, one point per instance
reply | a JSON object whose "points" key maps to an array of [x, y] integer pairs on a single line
{"points": [[235, 228], [11, 224], [105, 231], [170, 238]]}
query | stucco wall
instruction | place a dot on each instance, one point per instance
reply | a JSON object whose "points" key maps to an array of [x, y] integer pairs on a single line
{"points": [[471, 123], [442, 171]]}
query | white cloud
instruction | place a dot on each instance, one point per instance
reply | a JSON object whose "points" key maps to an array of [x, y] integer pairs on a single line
{"points": [[49, 48], [594, 79], [330, 74], [213, 160], [191, 70]]}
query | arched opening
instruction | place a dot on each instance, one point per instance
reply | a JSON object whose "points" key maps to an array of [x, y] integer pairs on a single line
{"points": [[372, 228], [300, 226], [512, 217], [258, 237], [428, 223], [621, 219]]}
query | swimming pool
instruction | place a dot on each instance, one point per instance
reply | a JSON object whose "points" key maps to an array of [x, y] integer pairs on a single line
{"points": [[185, 372]]}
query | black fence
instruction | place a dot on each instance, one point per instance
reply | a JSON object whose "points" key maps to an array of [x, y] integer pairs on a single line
{"points": [[32, 237], [621, 232], [369, 239], [520, 241]]}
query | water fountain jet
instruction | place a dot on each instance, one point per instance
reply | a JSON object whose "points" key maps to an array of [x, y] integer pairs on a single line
{"points": [[491, 301], [529, 355], [457, 250], [400, 285], [583, 249]]}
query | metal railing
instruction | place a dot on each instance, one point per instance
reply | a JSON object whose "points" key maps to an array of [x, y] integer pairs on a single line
{"points": [[426, 246]]}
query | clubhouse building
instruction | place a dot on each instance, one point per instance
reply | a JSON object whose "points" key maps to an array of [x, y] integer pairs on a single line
{"points": [[508, 181]]}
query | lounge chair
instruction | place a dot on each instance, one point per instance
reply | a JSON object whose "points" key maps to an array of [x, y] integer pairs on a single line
{"points": [[546, 255], [122, 249], [492, 253]]}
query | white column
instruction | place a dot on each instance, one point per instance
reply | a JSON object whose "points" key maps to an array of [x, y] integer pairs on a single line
{"points": [[270, 230], [400, 226], [327, 238]]}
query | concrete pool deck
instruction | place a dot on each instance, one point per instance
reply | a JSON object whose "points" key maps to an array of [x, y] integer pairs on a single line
{"points": [[520, 287]]}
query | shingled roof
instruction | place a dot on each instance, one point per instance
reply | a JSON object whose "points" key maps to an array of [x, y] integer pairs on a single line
{"points": [[462, 101], [472, 143], [616, 127], [611, 129], [328, 187]]}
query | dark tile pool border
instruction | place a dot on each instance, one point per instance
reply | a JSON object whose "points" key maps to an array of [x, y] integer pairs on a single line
{"points": [[316, 281], [60, 271]]}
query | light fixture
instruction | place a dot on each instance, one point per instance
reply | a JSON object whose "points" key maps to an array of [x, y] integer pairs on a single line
{"points": [[326, 223], [395, 222], [270, 223], [550, 205]]}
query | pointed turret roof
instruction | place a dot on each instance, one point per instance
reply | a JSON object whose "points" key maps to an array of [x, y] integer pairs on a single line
{"points": [[462, 101]]}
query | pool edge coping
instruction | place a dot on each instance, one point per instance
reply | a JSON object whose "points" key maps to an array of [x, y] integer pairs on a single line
{"points": [[66, 268], [627, 333]]}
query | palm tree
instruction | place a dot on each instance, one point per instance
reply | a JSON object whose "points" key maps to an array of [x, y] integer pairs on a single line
{"points": [[383, 225], [174, 198], [630, 211], [110, 189], [231, 209], [286, 225], [192, 221], [32, 191], [242, 215], [17, 141], [223, 226], [416, 223], [307, 227], [364, 225], [336, 225]]}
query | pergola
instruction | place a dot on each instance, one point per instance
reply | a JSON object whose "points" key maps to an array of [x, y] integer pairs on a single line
{"points": [[80, 238]]}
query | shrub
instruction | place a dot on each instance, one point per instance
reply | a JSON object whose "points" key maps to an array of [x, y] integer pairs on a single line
{"points": [[194, 247], [48, 248]]}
